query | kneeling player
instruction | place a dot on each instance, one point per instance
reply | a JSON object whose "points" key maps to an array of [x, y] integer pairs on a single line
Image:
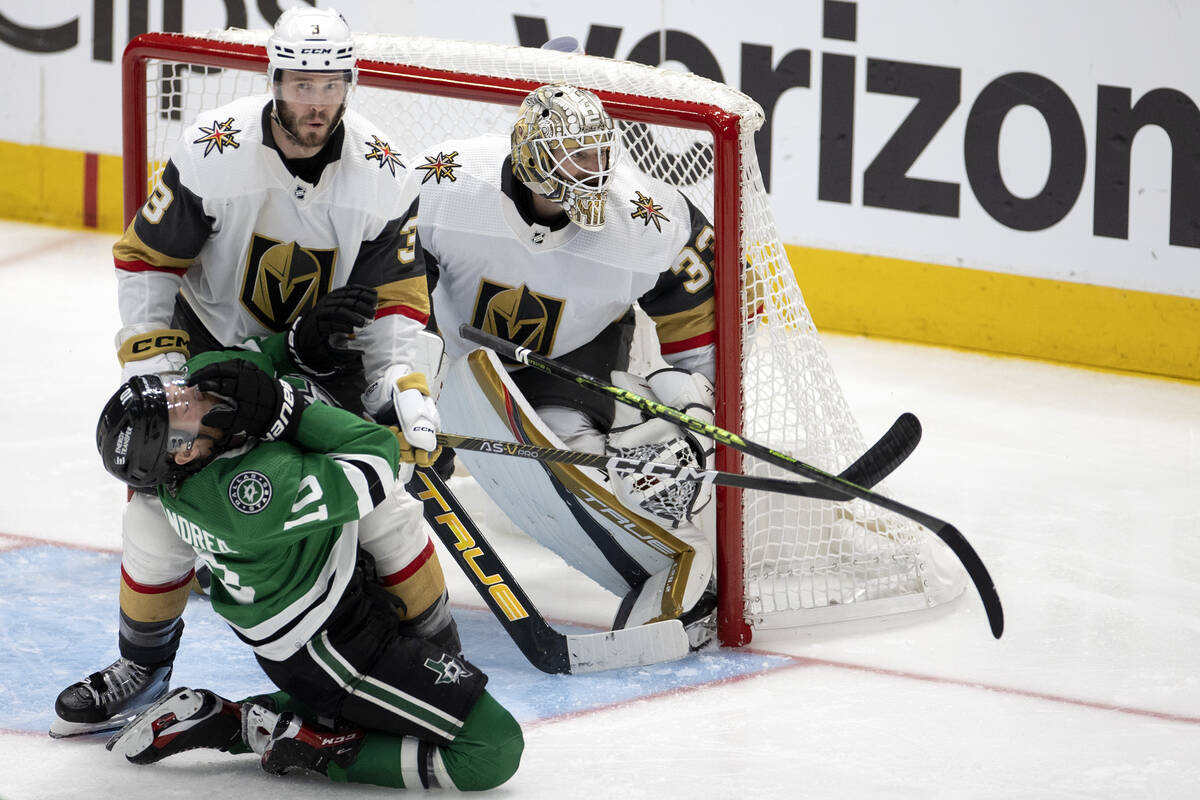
{"points": [[546, 238], [268, 489]]}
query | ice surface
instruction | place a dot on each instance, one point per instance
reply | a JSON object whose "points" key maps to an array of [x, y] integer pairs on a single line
{"points": [[1078, 488]]}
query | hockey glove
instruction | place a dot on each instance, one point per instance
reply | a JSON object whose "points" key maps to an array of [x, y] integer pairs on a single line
{"points": [[256, 404], [321, 342], [147, 352], [413, 455], [672, 501], [401, 398]]}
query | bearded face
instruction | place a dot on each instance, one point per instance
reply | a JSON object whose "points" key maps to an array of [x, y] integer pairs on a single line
{"points": [[308, 105], [311, 126]]}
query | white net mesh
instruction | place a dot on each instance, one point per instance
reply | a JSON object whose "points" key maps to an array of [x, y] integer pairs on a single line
{"points": [[805, 561]]}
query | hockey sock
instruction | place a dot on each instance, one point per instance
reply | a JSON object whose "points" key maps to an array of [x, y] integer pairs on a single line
{"points": [[149, 643], [484, 755]]}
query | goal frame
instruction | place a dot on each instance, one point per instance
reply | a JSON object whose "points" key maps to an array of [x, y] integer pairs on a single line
{"points": [[733, 628]]}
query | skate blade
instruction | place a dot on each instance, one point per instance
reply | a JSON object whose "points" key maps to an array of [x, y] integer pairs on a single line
{"points": [[61, 729]]}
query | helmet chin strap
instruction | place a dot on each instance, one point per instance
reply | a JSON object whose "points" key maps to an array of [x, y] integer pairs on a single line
{"points": [[282, 125]]}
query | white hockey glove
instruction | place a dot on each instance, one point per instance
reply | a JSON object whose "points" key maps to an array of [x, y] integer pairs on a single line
{"points": [[142, 352], [401, 398], [673, 501]]}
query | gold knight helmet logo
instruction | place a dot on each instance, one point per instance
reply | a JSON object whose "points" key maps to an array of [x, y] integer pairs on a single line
{"points": [[284, 279], [518, 316]]}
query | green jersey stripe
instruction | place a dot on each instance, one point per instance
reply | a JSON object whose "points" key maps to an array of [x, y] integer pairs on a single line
{"points": [[382, 695]]}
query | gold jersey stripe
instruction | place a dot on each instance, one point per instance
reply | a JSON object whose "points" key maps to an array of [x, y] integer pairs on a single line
{"points": [[130, 247], [411, 292], [686, 324]]}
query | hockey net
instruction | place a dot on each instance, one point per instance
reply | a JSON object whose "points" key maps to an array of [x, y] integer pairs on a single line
{"points": [[782, 561]]}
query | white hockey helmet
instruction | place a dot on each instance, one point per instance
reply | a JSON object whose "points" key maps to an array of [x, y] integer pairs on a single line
{"points": [[564, 147], [312, 40]]}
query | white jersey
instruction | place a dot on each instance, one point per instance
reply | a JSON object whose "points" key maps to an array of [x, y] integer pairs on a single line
{"points": [[250, 245], [555, 290]]}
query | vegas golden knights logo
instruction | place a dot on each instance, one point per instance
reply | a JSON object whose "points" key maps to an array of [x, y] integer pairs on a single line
{"points": [[283, 280], [525, 318]]}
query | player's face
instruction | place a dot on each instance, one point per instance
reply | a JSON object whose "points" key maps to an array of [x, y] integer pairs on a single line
{"points": [[189, 438], [308, 103], [583, 163]]}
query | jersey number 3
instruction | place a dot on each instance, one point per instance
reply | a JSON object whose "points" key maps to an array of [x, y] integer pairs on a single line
{"points": [[157, 204]]}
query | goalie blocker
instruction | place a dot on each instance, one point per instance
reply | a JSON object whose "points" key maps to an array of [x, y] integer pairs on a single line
{"points": [[660, 568]]}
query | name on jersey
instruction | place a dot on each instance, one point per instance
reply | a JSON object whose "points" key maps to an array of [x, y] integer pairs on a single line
{"points": [[195, 536]]}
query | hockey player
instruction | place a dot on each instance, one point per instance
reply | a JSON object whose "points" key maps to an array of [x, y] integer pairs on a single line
{"points": [[267, 204], [267, 489], [547, 238]]}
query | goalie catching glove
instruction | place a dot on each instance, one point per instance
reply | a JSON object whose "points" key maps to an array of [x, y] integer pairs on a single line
{"points": [[320, 342], [670, 500], [400, 399], [255, 403]]}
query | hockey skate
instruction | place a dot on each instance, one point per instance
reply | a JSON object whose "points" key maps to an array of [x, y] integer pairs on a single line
{"points": [[106, 700], [286, 742], [186, 719]]}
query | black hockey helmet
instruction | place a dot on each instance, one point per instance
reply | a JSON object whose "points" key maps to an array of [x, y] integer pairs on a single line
{"points": [[133, 434]]}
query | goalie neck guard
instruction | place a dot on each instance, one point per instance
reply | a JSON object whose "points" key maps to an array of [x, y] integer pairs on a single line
{"points": [[564, 148]]}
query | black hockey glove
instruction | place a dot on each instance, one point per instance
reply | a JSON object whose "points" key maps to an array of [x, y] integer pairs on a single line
{"points": [[321, 342], [258, 404]]}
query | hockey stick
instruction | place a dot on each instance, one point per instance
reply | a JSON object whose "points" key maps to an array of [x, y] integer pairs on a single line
{"points": [[544, 647], [957, 543], [872, 467]]}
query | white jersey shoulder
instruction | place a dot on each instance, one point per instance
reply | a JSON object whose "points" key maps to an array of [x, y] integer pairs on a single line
{"points": [[490, 260], [223, 155], [381, 176], [220, 153], [647, 221]]}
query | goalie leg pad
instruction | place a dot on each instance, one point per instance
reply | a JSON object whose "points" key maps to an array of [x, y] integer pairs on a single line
{"points": [[673, 592], [568, 509]]}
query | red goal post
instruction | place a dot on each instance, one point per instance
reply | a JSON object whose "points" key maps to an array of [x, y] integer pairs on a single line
{"points": [[781, 561]]}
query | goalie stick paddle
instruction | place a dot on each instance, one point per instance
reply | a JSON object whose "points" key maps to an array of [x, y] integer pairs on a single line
{"points": [[957, 543], [544, 647], [872, 467]]}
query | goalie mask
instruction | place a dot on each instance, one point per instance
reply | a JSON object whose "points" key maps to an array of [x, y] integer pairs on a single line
{"points": [[145, 423], [314, 50], [564, 147]]}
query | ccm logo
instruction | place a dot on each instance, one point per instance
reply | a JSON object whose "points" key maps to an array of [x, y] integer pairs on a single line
{"points": [[316, 50], [166, 341]]}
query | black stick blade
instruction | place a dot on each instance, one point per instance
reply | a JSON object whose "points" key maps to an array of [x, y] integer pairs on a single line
{"points": [[977, 572]]}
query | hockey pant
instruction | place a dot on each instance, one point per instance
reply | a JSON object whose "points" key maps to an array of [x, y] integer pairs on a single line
{"points": [[429, 721], [157, 569], [658, 573]]}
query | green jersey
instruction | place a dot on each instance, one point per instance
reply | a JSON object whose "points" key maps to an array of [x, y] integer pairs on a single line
{"points": [[277, 522]]}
